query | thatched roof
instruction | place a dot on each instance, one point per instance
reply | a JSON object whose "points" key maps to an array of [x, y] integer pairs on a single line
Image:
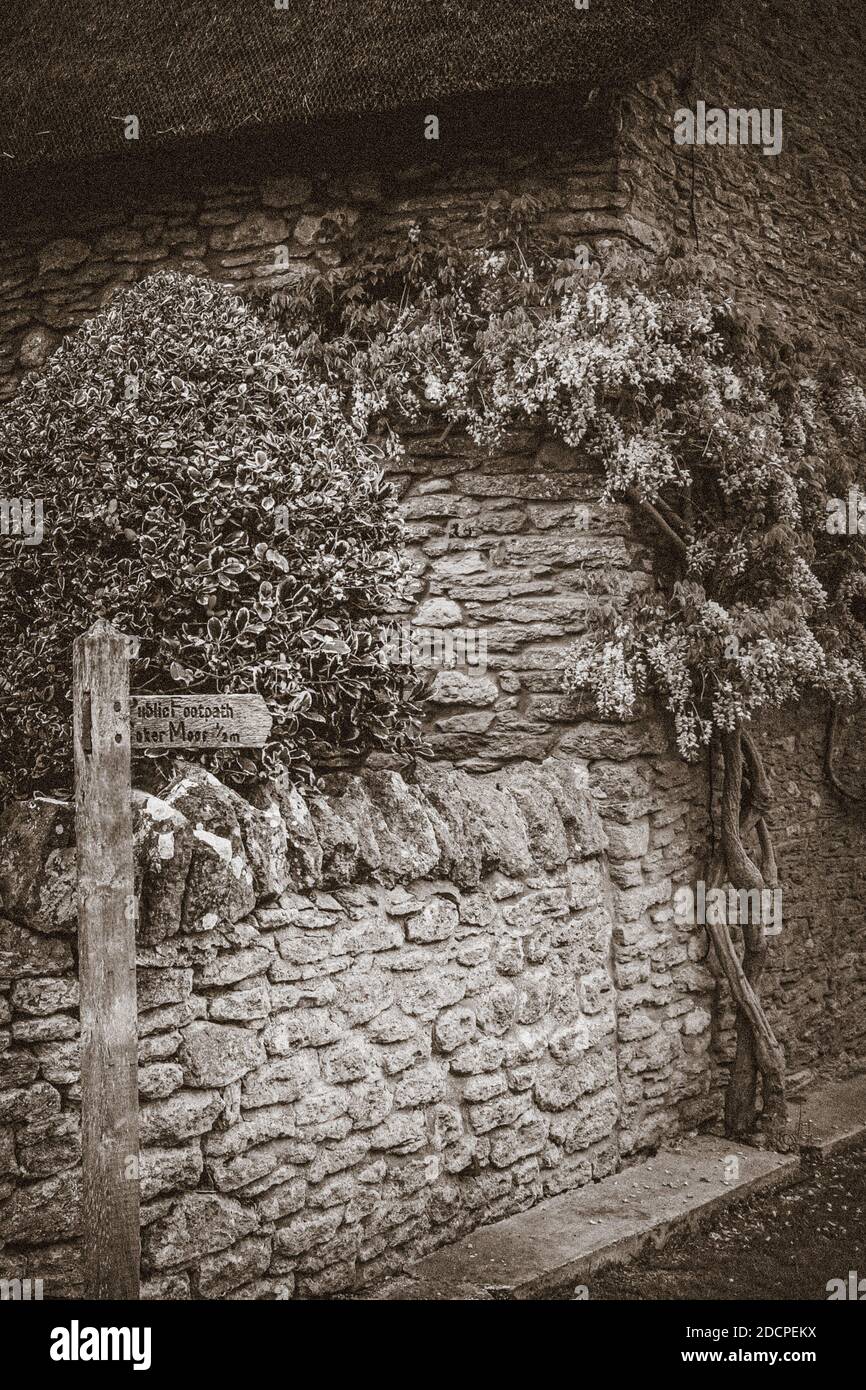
{"points": [[72, 71]]}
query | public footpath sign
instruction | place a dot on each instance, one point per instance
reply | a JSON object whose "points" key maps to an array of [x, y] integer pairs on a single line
{"points": [[109, 725], [198, 721]]}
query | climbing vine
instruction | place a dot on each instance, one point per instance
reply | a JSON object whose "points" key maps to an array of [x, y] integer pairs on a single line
{"points": [[729, 440]]}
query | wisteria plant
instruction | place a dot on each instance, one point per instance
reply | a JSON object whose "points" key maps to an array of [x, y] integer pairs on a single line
{"points": [[727, 438]]}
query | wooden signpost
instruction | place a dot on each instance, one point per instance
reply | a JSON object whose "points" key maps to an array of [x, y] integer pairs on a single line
{"points": [[108, 725], [106, 942]]}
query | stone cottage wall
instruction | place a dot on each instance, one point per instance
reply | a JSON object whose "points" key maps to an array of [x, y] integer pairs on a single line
{"points": [[59, 267], [513, 545], [816, 986], [784, 233]]}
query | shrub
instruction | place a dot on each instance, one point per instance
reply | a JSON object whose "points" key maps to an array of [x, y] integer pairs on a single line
{"points": [[205, 494]]}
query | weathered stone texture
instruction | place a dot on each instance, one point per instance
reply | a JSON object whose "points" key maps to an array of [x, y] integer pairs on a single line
{"points": [[466, 1009], [325, 1074]]}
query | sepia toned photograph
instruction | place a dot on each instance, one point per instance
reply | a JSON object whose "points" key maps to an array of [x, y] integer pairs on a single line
{"points": [[432, 675]]}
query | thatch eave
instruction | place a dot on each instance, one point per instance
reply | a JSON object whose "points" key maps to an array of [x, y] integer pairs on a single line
{"points": [[71, 74]]}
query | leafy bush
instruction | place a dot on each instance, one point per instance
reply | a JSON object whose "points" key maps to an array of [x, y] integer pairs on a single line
{"points": [[205, 494]]}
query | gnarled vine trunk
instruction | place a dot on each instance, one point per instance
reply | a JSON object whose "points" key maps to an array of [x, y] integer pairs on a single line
{"points": [[745, 801]]}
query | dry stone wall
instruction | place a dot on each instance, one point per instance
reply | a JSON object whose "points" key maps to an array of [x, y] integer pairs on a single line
{"points": [[379, 1017], [366, 1024]]}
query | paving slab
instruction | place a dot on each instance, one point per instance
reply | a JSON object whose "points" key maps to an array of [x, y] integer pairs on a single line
{"points": [[406, 1289], [833, 1116]]}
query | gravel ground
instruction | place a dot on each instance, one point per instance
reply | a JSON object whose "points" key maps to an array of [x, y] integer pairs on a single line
{"points": [[784, 1244]]}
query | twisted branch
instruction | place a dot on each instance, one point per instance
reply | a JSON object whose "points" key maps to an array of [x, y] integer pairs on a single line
{"points": [[758, 1053], [658, 520]]}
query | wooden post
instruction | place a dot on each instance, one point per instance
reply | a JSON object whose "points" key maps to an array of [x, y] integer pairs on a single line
{"points": [[106, 934]]}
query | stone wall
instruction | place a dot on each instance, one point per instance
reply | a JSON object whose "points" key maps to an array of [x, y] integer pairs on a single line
{"points": [[375, 1019], [515, 545], [816, 987], [60, 266], [365, 1025], [785, 233]]}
